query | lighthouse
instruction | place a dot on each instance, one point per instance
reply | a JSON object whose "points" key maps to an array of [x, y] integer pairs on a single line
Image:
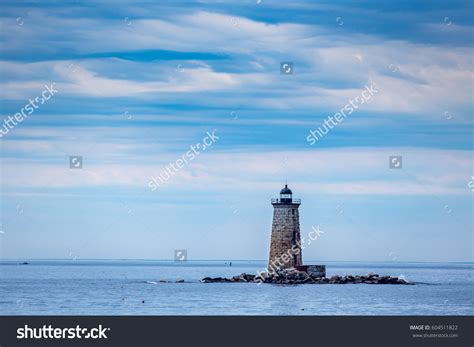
{"points": [[285, 245]]}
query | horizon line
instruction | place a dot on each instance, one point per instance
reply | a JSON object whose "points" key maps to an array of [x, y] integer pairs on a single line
{"points": [[226, 260]]}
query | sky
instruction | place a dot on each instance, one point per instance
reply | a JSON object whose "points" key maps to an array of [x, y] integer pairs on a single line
{"points": [[136, 84]]}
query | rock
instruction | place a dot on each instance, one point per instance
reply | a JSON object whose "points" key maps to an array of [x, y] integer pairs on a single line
{"points": [[393, 280], [179, 281], [293, 276], [249, 277]]}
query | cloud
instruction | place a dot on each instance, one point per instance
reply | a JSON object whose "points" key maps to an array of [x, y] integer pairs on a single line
{"points": [[335, 171], [76, 80], [330, 67], [415, 80]]}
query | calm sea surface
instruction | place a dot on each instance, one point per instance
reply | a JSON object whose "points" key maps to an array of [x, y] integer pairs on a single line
{"points": [[93, 287]]}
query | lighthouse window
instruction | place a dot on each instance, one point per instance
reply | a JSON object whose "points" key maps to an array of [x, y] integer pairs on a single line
{"points": [[293, 212]]}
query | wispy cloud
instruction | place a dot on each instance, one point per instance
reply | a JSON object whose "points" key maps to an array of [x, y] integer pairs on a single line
{"points": [[337, 171], [414, 79]]}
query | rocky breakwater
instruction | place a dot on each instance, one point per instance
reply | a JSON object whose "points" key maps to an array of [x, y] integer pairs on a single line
{"points": [[292, 276]]}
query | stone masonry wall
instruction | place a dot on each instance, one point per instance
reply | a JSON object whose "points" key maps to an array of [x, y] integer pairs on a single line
{"points": [[285, 250]]}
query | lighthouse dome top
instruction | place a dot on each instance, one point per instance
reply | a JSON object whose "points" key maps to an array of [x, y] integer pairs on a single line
{"points": [[286, 190], [286, 197]]}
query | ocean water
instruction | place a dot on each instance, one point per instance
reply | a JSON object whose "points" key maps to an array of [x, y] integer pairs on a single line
{"points": [[93, 287]]}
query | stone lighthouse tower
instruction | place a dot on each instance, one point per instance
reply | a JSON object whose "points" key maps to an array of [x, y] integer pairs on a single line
{"points": [[285, 246]]}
